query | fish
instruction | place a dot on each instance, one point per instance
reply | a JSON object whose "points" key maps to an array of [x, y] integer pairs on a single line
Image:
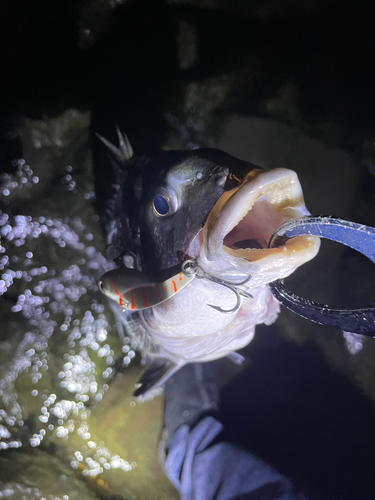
{"points": [[217, 211]]}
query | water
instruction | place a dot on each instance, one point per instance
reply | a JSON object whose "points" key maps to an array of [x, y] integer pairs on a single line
{"points": [[63, 407]]}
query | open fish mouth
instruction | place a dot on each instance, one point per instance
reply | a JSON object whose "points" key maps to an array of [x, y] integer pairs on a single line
{"points": [[239, 227]]}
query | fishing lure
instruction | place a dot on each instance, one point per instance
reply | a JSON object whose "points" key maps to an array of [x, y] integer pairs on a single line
{"points": [[134, 290]]}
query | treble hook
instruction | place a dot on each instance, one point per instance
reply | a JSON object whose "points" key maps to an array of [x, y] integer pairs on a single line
{"points": [[234, 309], [190, 266]]}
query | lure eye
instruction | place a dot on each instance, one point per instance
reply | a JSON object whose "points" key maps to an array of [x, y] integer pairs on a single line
{"points": [[161, 205]]}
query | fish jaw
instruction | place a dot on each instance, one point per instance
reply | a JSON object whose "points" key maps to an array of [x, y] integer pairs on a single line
{"points": [[252, 212]]}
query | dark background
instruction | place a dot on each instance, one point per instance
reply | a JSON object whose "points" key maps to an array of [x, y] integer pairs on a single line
{"points": [[123, 63]]}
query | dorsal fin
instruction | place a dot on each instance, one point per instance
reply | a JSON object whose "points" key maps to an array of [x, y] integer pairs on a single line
{"points": [[124, 145], [121, 153]]}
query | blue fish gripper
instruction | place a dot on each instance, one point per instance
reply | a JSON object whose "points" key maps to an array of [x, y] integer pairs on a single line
{"points": [[356, 236]]}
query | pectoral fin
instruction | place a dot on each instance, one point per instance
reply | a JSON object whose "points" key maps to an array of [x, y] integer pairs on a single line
{"points": [[236, 358], [156, 374]]}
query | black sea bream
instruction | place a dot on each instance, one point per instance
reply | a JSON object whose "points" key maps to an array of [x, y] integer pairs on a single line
{"points": [[219, 211]]}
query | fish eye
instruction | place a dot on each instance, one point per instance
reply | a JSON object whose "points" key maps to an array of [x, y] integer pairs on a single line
{"points": [[161, 205], [101, 286], [165, 201]]}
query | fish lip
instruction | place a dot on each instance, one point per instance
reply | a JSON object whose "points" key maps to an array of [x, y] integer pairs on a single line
{"points": [[279, 190]]}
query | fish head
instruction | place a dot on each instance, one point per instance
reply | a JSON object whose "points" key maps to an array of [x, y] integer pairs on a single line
{"points": [[165, 202]]}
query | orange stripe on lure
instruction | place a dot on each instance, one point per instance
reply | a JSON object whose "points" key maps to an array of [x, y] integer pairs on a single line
{"points": [[122, 285]]}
